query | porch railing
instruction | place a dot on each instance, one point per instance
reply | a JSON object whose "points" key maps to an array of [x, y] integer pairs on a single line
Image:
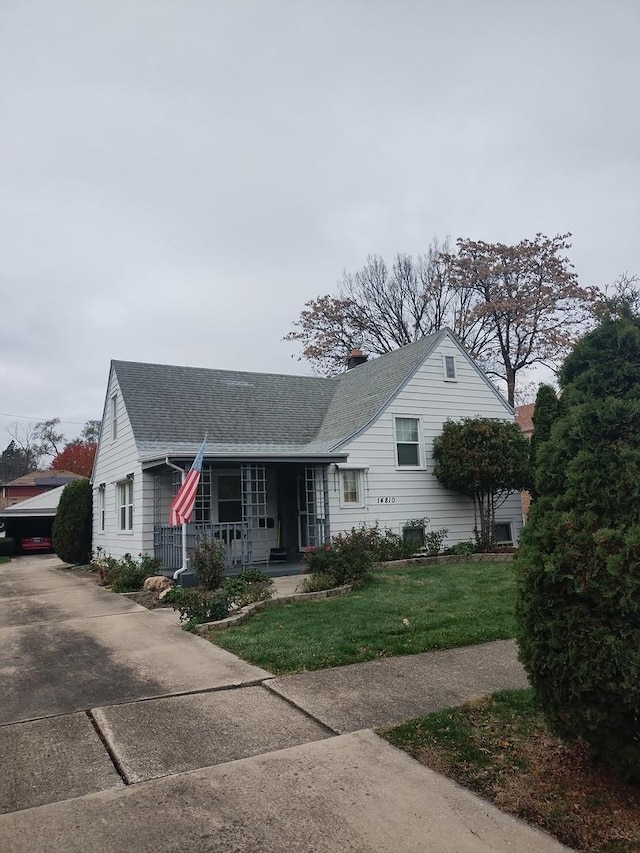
{"points": [[167, 542]]}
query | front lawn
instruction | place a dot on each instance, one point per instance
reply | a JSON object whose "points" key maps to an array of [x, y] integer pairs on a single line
{"points": [[400, 612], [501, 749]]}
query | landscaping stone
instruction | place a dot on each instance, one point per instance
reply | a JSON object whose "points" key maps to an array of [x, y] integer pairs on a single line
{"points": [[157, 583]]}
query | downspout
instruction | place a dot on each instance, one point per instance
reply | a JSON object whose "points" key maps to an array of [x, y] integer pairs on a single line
{"points": [[183, 569]]}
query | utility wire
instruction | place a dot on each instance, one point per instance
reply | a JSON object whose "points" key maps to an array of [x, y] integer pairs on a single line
{"points": [[31, 418]]}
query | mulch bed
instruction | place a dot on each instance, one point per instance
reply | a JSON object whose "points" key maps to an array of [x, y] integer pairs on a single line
{"points": [[526, 771], [146, 599]]}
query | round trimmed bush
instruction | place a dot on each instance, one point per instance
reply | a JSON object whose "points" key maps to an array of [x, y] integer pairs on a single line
{"points": [[72, 524]]}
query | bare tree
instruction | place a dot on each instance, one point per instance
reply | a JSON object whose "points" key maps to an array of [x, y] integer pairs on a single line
{"points": [[37, 440], [51, 441], [530, 298], [91, 432], [513, 307], [621, 299], [381, 308]]}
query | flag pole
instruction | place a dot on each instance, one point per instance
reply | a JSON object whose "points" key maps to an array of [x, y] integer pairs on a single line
{"points": [[183, 568], [181, 511]]}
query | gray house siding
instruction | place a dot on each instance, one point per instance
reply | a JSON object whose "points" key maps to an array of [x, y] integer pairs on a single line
{"points": [[394, 495], [116, 460]]}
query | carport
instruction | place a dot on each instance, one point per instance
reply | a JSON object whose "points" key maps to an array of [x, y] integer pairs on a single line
{"points": [[31, 518]]}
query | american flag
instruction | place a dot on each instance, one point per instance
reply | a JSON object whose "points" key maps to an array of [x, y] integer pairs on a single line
{"points": [[182, 505]]}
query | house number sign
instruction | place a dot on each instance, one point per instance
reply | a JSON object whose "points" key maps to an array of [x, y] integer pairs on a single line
{"points": [[386, 500]]}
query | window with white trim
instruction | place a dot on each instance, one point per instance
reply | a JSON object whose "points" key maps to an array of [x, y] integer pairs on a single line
{"points": [[101, 496], [449, 368], [407, 442], [351, 494], [503, 533], [125, 506], [114, 417]]}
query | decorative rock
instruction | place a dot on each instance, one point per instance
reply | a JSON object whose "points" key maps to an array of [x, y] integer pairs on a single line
{"points": [[157, 584], [164, 592]]}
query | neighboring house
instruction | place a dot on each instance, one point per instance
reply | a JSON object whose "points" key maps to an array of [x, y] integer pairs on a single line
{"points": [[524, 419], [30, 522], [35, 483], [290, 460]]}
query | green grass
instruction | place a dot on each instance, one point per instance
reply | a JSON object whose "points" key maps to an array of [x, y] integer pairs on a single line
{"points": [[500, 747], [5, 559], [466, 739], [445, 606]]}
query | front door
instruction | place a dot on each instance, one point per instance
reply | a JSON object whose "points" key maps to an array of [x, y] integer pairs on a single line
{"points": [[312, 507]]}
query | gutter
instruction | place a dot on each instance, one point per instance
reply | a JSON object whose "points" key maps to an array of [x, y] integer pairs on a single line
{"points": [[185, 559]]}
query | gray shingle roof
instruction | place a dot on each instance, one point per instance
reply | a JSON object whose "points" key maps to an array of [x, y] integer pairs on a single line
{"points": [[167, 404], [171, 408], [363, 391]]}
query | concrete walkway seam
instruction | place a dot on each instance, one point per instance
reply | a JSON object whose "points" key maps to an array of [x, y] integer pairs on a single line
{"points": [[255, 682], [104, 739], [266, 684]]}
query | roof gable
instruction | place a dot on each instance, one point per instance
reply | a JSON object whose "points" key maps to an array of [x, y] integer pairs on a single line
{"points": [[366, 390]]}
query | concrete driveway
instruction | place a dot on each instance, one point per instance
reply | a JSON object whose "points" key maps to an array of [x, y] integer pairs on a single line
{"points": [[119, 731]]}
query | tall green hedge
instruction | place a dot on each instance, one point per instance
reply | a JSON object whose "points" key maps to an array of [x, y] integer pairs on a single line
{"points": [[72, 524], [579, 601]]}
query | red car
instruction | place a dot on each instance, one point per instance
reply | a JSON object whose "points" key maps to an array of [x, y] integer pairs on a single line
{"points": [[35, 543]]}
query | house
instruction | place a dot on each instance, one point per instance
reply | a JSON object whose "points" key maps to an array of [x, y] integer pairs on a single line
{"points": [[290, 460], [524, 419], [30, 522], [32, 484]]}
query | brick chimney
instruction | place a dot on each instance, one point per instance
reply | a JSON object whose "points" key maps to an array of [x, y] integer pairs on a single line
{"points": [[356, 357]]}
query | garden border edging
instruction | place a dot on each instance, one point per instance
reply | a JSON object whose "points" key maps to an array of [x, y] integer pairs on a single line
{"points": [[444, 559], [249, 609]]}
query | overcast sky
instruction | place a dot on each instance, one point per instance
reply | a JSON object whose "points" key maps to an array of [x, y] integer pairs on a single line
{"points": [[177, 177]]}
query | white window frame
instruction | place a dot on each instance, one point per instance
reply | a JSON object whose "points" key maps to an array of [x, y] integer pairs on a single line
{"points": [[449, 359], [114, 417], [101, 507], [125, 506], [510, 540], [418, 443], [356, 474]]}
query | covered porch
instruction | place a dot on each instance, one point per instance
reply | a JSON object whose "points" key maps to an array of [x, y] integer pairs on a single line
{"points": [[264, 513]]}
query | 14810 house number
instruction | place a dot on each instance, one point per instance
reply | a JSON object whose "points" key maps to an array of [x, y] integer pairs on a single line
{"points": [[386, 500]]}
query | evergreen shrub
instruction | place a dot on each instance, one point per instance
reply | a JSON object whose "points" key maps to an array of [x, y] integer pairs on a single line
{"points": [[579, 557], [72, 524]]}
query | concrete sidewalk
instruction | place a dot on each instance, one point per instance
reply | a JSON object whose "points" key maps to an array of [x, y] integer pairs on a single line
{"points": [[350, 794], [391, 690], [122, 732]]}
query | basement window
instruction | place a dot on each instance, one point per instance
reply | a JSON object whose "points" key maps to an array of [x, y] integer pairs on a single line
{"points": [[502, 532]]}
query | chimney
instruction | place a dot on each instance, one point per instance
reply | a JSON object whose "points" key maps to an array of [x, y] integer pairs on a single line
{"points": [[356, 357]]}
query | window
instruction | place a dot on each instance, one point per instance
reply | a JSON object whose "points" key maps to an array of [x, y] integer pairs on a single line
{"points": [[407, 443], [413, 534], [449, 364], [502, 533], [125, 506], [202, 509], [351, 488], [114, 417], [229, 498], [101, 495]]}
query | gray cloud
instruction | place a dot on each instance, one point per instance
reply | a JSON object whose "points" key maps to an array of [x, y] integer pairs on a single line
{"points": [[178, 178]]}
